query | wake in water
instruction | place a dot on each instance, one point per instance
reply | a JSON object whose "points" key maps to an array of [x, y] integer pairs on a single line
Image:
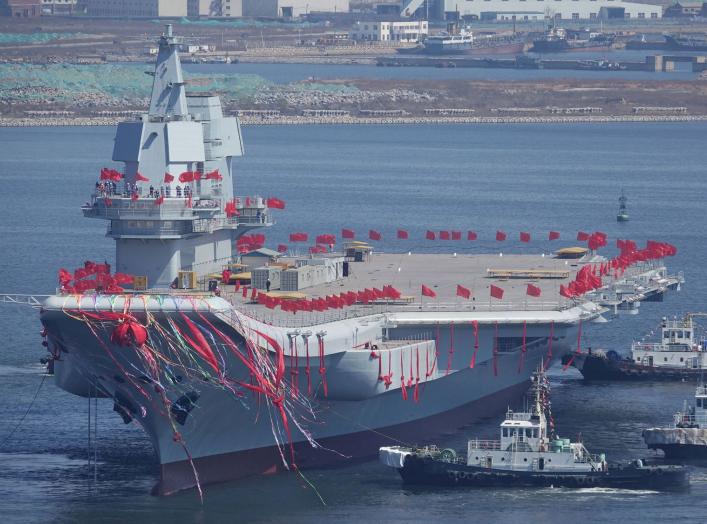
{"points": [[29, 369]]}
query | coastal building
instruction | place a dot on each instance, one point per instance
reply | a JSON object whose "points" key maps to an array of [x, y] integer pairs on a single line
{"points": [[389, 31], [685, 10], [20, 8], [197, 8], [133, 9], [531, 9], [58, 7], [290, 8]]}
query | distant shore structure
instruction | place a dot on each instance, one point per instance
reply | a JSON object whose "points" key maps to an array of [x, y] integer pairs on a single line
{"points": [[519, 10]]}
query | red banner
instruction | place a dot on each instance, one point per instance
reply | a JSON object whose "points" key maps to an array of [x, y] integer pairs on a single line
{"points": [[374, 235], [428, 292], [463, 292], [275, 203], [500, 236], [471, 235], [348, 233], [533, 291], [524, 237], [496, 292], [402, 234], [553, 235]]}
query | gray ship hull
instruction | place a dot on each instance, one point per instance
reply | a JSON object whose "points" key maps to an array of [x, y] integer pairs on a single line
{"points": [[227, 437]]}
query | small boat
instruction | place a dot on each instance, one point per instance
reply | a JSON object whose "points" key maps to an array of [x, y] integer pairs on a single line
{"points": [[687, 437], [677, 356], [528, 454], [622, 215]]}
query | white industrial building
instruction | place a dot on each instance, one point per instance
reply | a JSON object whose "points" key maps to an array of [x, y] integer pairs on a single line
{"points": [[282, 8], [397, 31], [137, 9], [532, 9]]}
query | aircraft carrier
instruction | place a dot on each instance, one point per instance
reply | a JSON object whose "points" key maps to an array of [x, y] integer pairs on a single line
{"points": [[229, 383]]}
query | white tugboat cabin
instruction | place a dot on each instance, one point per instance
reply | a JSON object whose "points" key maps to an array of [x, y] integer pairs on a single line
{"points": [[526, 444], [678, 347]]}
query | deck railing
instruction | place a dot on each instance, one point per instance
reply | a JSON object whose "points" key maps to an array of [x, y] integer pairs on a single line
{"points": [[490, 445]]}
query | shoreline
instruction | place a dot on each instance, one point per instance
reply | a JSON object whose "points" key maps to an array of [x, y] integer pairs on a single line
{"points": [[300, 120]]}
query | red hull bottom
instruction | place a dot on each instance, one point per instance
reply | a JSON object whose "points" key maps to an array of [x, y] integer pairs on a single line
{"points": [[177, 476]]}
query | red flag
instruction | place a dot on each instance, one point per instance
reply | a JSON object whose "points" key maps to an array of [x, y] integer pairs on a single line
{"points": [[159, 200], [524, 237], [186, 176], [168, 178], [275, 203], [500, 236], [140, 178], [444, 235], [463, 292], [348, 233], [430, 235], [471, 235], [565, 292], [402, 234], [299, 237], [108, 202], [134, 197], [374, 235], [582, 236], [428, 292], [214, 175], [282, 248], [456, 235], [554, 235], [496, 292], [197, 175], [326, 239], [533, 291]]}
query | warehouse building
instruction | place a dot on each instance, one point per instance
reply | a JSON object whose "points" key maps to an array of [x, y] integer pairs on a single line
{"points": [[531, 9]]}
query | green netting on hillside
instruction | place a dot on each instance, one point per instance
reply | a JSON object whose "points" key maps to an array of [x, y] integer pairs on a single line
{"points": [[69, 82], [247, 23], [36, 38]]}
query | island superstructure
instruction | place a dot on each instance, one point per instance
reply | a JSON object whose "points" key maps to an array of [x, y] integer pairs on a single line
{"points": [[326, 357]]}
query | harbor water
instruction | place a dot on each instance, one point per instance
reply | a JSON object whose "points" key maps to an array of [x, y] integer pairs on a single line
{"points": [[532, 178]]}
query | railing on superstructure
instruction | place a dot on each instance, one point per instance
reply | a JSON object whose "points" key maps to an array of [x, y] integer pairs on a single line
{"points": [[679, 347], [690, 419], [200, 213], [486, 445]]}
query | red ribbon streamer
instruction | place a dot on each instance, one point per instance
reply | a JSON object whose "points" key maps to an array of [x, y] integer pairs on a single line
{"points": [[523, 348], [495, 351], [475, 326]]}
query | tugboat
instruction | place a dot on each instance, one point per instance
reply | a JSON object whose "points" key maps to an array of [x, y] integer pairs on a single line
{"points": [[558, 39], [527, 454], [677, 356], [622, 215], [687, 437]]}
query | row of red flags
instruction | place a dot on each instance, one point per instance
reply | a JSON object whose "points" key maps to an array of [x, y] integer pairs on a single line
{"points": [[589, 277], [494, 291], [597, 238], [185, 177], [339, 301]]}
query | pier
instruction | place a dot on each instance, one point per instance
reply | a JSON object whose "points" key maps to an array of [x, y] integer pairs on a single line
{"points": [[653, 63]]}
